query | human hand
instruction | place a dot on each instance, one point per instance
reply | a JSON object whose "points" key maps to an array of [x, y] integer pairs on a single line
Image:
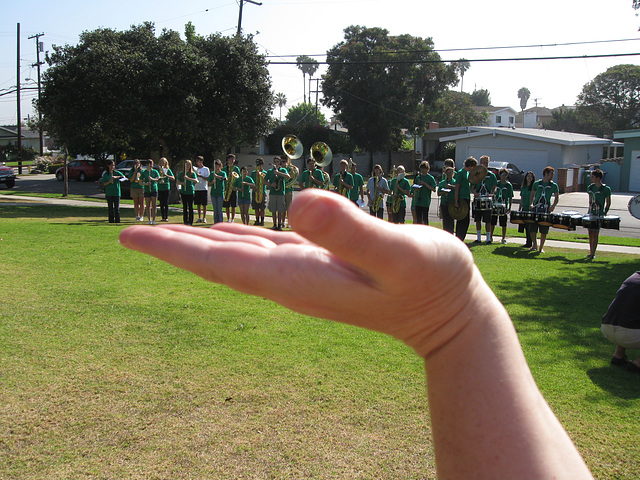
{"points": [[411, 282]]}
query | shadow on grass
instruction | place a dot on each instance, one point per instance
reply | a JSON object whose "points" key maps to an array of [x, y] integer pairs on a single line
{"points": [[90, 214], [618, 382]]}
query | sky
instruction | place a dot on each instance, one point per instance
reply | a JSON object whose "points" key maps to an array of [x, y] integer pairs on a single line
{"points": [[285, 29]]}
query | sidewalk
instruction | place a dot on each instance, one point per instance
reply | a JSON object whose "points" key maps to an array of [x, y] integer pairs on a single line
{"points": [[8, 200]]}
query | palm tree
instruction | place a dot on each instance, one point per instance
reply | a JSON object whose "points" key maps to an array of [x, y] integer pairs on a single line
{"points": [[308, 66], [281, 101], [461, 67], [523, 95]]}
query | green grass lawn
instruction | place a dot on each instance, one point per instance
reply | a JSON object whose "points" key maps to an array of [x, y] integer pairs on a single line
{"points": [[116, 365]]}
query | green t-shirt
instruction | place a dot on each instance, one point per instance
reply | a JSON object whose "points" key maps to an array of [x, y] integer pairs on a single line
{"points": [[151, 178], [244, 191], [403, 184], [271, 177], [255, 181], [217, 188], [188, 187], [504, 193], [546, 189], [305, 179], [448, 197], [137, 184], [598, 195], [288, 189], [348, 179], [525, 197], [422, 196], [488, 182], [163, 183], [462, 178], [112, 189], [354, 193]]}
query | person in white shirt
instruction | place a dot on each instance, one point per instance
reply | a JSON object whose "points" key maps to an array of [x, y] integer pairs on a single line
{"points": [[201, 189]]}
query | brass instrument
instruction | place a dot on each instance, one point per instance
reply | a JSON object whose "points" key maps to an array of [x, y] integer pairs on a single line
{"points": [[327, 180], [377, 196], [321, 153], [397, 198], [259, 186], [292, 147], [231, 180], [293, 176]]}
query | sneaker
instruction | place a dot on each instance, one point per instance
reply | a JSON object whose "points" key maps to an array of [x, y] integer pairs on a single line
{"points": [[477, 241], [153, 222], [488, 242], [204, 220], [199, 220], [256, 223], [504, 241], [150, 222]]}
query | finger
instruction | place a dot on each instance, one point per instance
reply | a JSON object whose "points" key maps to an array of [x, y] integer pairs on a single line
{"points": [[272, 235]]}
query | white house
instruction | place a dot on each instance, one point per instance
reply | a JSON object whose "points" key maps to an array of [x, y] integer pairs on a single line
{"points": [[499, 116]]}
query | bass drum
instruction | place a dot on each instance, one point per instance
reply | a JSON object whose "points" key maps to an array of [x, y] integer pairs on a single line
{"points": [[634, 206], [517, 217], [610, 221]]}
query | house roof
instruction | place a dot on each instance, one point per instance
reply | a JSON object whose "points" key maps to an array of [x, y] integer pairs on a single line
{"points": [[549, 136], [493, 109], [622, 134], [12, 132], [540, 111]]}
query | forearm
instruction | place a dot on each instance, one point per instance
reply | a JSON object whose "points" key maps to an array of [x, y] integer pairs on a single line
{"points": [[488, 417]]}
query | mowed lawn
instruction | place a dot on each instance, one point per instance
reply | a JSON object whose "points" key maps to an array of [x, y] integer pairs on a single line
{"points": [[115, 365]]}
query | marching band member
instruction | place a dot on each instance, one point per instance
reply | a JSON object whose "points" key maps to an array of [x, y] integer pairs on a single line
{"points": [[259, 200], [217, 180], [343, 180], [186, 181], [504, 193], [243, 186], [275, 179], [201, 194], [599, 204], [543, 190], [230, 199], [525, 201], [486, 188], [422, 195], [392, 174], [463, 195], [110, 180], [163, 188], [137, 189], [150, 179], [358, 182], [288, 189], [447, 192], [377, 187], [400, 188], [312, 177]]}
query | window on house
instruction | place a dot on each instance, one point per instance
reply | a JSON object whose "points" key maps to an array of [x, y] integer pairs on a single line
{"points": [[498, 119], [511, 119]]}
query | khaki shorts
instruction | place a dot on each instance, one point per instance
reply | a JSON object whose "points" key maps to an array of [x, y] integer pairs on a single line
{"points": [[625, 337], [276, 203], [137, 193]]}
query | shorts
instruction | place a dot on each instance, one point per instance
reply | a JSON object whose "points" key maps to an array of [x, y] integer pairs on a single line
{"points": [[259, 206], [243, 201], [276, 203], [150, 194], [482, 216], [623, 336], [534, 228], [233, 200], [288, 198], [200, 197], [501, 218], [137, 193]]}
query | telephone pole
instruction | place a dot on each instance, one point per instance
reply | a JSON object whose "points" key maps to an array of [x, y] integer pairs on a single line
{"points": [[39, 48], [19, 126], [240, 17]]}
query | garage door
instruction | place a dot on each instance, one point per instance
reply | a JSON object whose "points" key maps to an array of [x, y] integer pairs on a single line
{"points": [[634, 173], [534, 160]]}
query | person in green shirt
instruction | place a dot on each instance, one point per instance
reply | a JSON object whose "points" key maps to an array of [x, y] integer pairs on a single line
{"points": [[422, 195], [232, 172], [463, 195], [542, 192], [312, 177], [243, 188], [163, 188], [400, 188], [186, 181], [259, 200], [137, 189], [486, 188], [358, 184], [217, 180], [150, 179], [343, 180], [447, 192], [504, 197], [111, 181], [275, 179], [525, 201], [599, 204]]}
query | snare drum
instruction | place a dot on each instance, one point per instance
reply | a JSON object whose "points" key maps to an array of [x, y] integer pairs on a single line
{"points": [[591, 222], [610, 221], [561, 221], [545, 219], [517, 217], [576, 221], [482, 204], [529, 217], [499, 209]]}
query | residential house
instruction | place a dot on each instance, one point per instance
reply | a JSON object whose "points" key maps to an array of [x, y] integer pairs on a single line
{"points": [[499, 116]]}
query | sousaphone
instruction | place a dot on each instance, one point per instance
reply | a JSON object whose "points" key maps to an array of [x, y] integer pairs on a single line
{"points": [[292, 147], [321, 153]]}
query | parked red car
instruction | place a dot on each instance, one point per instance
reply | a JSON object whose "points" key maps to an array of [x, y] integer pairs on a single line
{"points": [[7, 176], [82, 170]]}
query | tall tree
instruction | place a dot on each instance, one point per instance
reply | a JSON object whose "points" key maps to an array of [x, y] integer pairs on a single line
{"points": [[481, 98], [126, 91], [455, 109], [461, 67], [281, 101], [523, 95], [380, 84], [304, 114], [611, 101], [307, 66]]}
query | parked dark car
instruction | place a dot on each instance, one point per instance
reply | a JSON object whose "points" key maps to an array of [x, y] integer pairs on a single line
{"points": [[125, 167], [515, 174], [7, 176], [82, 170]]}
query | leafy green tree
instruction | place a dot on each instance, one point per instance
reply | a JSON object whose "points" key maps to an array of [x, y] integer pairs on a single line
{"points": [[380, 84], [565, 120], [481, 98], [307, 66], [523, 95], [134, 92], [611, 101], [281, 101], [461, 67], [455, 109], [304, 114]]}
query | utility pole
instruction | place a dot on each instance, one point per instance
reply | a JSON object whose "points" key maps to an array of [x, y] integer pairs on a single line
{"points": [[316, 91], [19, 129], [39, 48], [240, 17]]}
